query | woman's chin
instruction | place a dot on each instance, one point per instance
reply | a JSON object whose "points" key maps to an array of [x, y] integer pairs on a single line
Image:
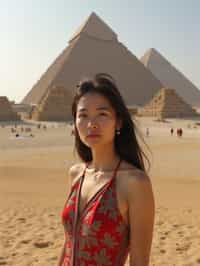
{"points": [[93, 141]]}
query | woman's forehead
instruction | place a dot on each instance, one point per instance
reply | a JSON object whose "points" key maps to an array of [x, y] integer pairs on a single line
{"points": [[93, 100]]}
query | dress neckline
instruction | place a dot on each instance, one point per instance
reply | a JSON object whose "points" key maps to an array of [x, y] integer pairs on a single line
{"points": [[79, 213]]}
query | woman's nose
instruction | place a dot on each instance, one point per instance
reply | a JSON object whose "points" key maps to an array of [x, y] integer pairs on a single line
{"points": [[92, 124]]}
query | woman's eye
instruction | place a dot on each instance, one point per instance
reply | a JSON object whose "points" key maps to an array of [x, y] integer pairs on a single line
{"points": [[104, 114], [82, 115]]}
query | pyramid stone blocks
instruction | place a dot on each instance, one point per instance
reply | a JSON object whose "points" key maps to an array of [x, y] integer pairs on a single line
{"points": [[54, 106], [167, 103]]}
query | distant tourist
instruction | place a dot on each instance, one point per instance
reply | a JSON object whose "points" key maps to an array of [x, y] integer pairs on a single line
{"points": [[180, 132], [13, 130], [172, 131], [147, 132]]}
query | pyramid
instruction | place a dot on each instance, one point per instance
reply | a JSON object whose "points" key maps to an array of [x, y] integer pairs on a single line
{"points": [[170, 77], [92, 49], [6, 111], [167, 103], [54, 106]]}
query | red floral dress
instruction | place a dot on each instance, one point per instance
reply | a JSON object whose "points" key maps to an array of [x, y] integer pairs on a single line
{"points": [[99, 237]]}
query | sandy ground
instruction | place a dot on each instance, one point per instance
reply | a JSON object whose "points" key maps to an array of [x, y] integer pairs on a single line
{"points": [[33, 173]]}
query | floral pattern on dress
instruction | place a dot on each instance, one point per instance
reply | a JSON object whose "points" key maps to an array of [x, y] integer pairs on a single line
{"points": [[101, 234], [101, 258]]}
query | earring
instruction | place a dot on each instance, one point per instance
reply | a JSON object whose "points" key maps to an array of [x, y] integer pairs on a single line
{"points": [[118, 131]]}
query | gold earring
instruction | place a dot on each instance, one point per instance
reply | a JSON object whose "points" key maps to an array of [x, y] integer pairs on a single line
{"points": [[118, 131]]}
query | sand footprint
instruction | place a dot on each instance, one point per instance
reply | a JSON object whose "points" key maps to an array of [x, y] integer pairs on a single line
{"points": [[162, 238], [2, 261], [162, 251], [21, 219], [42, 244], [176, 225], [25, 241]]}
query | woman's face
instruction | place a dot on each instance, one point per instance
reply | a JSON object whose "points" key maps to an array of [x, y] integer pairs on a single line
{"points": [[95, 120]]}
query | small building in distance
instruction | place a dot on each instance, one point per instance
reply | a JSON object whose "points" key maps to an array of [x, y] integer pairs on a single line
{"points": [[23, 110], [6, 111]]}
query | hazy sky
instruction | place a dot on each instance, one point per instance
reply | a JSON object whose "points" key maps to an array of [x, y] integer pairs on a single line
{"points": [[33, 34]]}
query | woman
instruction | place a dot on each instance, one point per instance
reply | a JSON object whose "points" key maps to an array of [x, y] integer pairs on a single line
{"points": [[110, 207]]}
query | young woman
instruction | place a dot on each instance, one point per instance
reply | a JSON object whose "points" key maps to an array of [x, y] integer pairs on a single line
{"points": [[109, 212]]}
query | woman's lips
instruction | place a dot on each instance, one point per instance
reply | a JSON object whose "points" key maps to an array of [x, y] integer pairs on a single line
{"points": [[93, 135]]}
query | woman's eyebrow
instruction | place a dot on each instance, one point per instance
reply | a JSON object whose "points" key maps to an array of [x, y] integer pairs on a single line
{"points": [[103, 108], [82, 109], [98, 108]]}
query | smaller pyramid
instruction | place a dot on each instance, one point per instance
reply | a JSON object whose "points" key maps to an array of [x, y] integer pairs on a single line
{"points": [[167, 104], [54, 106], [6, 111], [171, 77]]}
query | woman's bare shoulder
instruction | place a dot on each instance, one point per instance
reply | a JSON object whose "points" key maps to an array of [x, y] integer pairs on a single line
{"points": [[75, 171], [132, 171], [132, 177], [76, 168]]}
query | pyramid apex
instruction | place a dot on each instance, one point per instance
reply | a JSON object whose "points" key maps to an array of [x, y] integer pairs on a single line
{"points": [[152, 54], [93, 14], [152, 51], [95, 27]]}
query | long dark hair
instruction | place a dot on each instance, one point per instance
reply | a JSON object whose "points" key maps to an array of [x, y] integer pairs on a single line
{"points": [[126, 143]]}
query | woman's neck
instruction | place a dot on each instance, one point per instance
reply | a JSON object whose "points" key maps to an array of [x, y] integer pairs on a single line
{"points": [[103, 160]]}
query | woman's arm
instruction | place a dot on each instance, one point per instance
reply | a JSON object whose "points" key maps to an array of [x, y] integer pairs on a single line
{"points": [[141, 218], [61, 258]]}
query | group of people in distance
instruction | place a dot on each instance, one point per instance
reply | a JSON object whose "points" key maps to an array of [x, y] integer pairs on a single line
{"points": [[179, 132]]}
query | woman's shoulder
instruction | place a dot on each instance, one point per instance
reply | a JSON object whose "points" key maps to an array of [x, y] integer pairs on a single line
{"points": [[132, 172], [133, 178], [75, 171]]}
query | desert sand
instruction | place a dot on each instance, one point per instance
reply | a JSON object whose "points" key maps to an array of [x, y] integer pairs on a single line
{"points": [[33, 174]]}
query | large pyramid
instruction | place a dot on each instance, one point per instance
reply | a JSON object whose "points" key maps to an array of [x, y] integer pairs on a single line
{"points": [[167, 103], [170, 77], [6, 111], [95, 48], [54, 106]]}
